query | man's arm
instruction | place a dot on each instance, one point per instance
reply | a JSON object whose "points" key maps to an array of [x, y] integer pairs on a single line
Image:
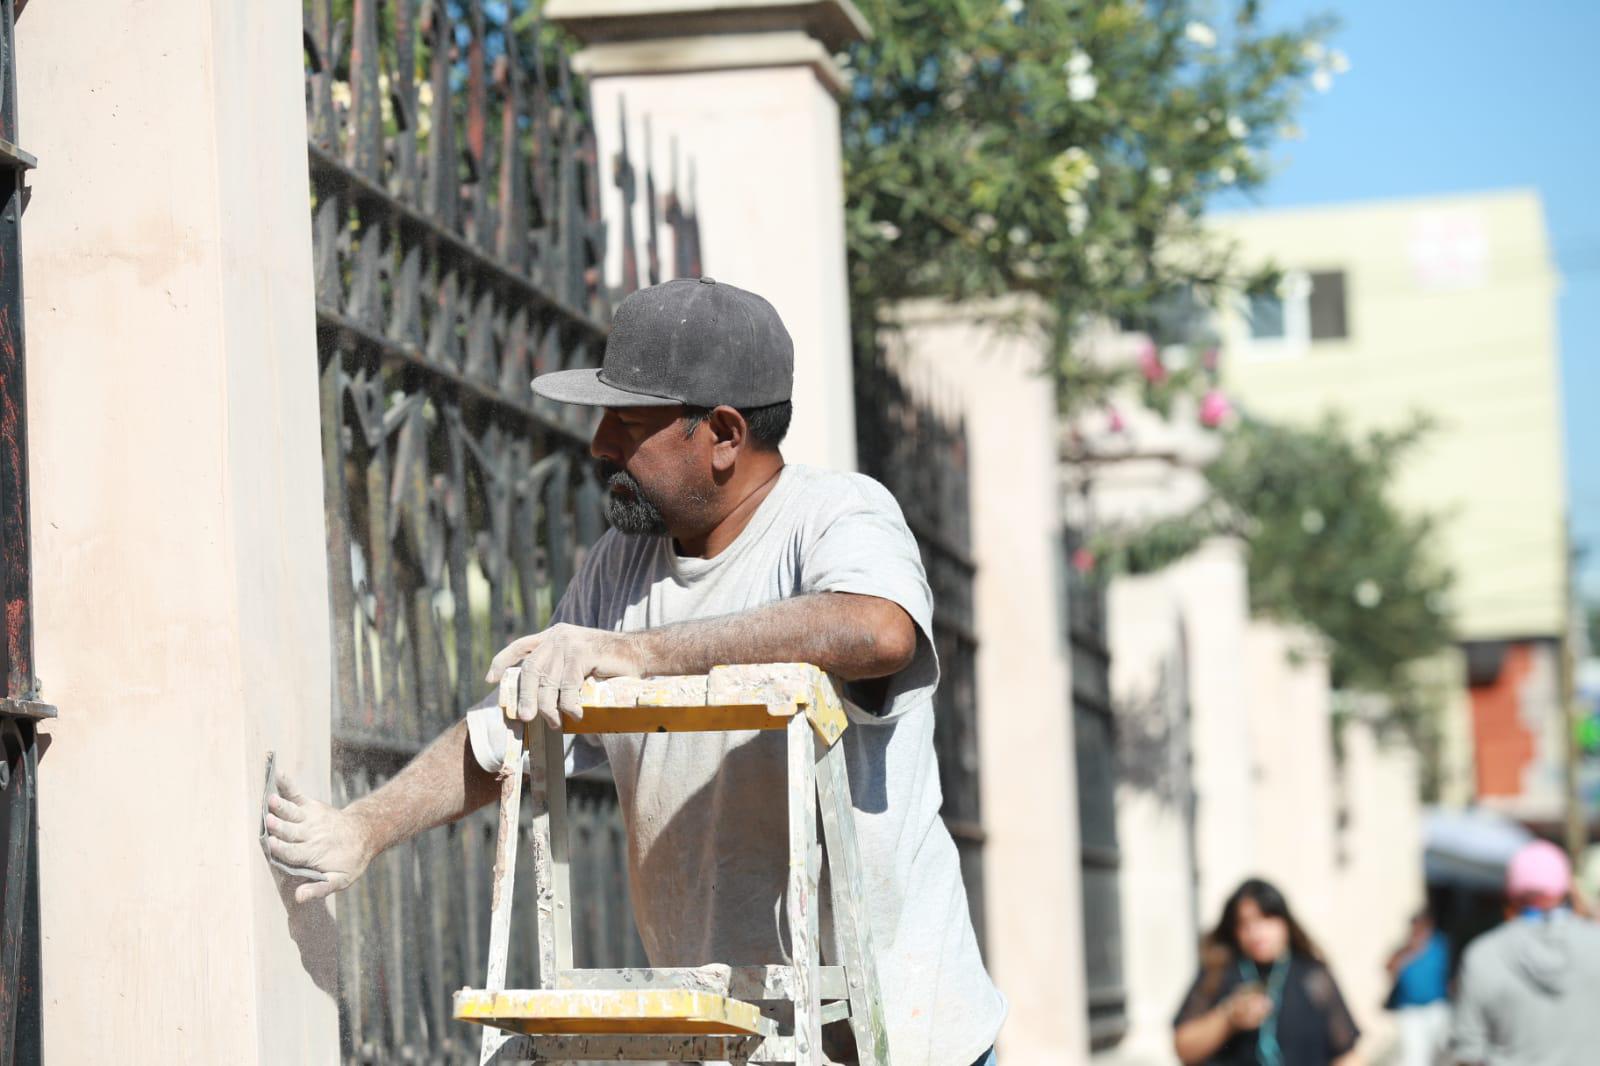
{"points": [[1469, 1022], [442, 784], [853, 637]]}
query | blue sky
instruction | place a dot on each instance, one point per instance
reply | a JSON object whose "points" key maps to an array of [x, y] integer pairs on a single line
{"points": [[1464, 96]]}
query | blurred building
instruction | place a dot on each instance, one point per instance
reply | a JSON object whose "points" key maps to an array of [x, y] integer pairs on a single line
{"points": [[1444, 308]]}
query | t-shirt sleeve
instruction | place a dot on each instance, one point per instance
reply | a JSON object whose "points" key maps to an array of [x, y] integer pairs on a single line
{"points": [[486, 726], [1469, 1021], [1205, 992], [1324, 993], [866, 548]]}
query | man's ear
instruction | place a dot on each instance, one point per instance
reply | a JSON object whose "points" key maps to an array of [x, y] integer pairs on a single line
{"points": [[729, 436]]}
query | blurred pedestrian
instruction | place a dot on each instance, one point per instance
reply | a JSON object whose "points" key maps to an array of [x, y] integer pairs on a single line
{"points": [[1263, 996], [1421, 994], [1530, 990]]}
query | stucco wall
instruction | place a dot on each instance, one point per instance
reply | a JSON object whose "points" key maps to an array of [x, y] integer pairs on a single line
{"points": [[181, 621], [762, 145], [1378, 879], [1031, 861], [1292, 767], [1161, 930]]}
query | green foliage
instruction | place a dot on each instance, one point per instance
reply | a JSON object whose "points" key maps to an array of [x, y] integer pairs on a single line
{"points": [[1327, 548], [1057, 148]]}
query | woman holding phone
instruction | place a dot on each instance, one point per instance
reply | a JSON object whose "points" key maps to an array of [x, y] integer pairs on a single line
{"points": [[1263, 996]]}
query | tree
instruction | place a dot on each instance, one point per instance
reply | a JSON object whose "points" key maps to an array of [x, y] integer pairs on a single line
{"points": [[1061, 149], [1327, 550]]}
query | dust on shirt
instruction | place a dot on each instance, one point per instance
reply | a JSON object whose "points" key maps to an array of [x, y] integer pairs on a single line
{"points": [[706, 812]]}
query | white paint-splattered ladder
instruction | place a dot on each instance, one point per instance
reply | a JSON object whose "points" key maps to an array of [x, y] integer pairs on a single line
{"points": [[738, 1014]]}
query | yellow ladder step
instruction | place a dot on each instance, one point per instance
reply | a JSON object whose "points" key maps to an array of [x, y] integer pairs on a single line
{"points": [[665, 1011]]}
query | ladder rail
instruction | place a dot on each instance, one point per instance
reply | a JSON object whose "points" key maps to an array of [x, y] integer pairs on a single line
{"points": [[617, 1025]]}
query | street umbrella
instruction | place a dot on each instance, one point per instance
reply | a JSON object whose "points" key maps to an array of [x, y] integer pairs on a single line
{"points": [[1469, 848]]}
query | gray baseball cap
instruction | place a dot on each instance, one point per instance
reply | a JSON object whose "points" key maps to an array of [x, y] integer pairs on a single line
{"points": [[692, 341]]}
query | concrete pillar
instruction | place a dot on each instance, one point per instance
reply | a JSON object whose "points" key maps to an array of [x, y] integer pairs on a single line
{"points": [[1379, 883], [182, 605], [1032, 882], [1291, 763], [1149, 685], [747, 92], [1211, 590]]}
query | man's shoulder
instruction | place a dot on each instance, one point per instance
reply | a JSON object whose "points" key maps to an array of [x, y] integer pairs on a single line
{"points": [[1585, 931], [839, 490], [1485, 951], [612, 552]]}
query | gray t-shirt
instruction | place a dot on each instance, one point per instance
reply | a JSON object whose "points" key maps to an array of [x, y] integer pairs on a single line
{"points": [[705, 812], [1528, 994]]}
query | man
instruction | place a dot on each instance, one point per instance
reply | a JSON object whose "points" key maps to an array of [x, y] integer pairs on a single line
{"points": [[1529, 990], [1420, 997], [719, 553]]}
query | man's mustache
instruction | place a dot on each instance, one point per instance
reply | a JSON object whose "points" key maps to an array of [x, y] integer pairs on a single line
{"points": [[611, 475]]}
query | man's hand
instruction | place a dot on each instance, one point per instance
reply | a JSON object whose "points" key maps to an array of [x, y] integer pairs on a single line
{"points": [[853, 637], [556, 662], [304, 832]]}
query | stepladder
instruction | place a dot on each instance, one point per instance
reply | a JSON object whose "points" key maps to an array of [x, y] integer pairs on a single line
{"points": [[773, 1012]]}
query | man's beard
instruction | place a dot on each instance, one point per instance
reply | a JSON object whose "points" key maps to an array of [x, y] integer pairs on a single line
{"points": [[628, 511]]}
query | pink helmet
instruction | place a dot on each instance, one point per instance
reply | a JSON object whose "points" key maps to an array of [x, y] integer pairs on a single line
{"points": [[1539, 868]]}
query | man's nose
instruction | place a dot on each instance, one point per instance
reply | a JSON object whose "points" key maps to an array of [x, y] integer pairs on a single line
{"points": [[603, 445]]}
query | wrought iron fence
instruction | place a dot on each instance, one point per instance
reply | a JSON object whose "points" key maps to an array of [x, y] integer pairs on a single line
{"points": [[1095, 744], [917, 446], [20, 708], [458, 248]]}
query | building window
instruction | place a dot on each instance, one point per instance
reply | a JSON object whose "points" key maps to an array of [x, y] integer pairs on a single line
{"points": [[1266, 316], [1328, 315], [1307, 308]]}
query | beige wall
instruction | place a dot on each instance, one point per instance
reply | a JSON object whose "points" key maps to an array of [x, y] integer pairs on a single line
{"points": [[1034, 909], [182, 612], [1209, 588], [760, 129], [1292, 767], [1378, 879], [1160, 935], [1451, 307]]}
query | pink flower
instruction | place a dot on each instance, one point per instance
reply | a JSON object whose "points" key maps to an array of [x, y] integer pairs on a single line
{"points": [[1150, 365], [1214, 409], [1082, 560], [1115, 422]]}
